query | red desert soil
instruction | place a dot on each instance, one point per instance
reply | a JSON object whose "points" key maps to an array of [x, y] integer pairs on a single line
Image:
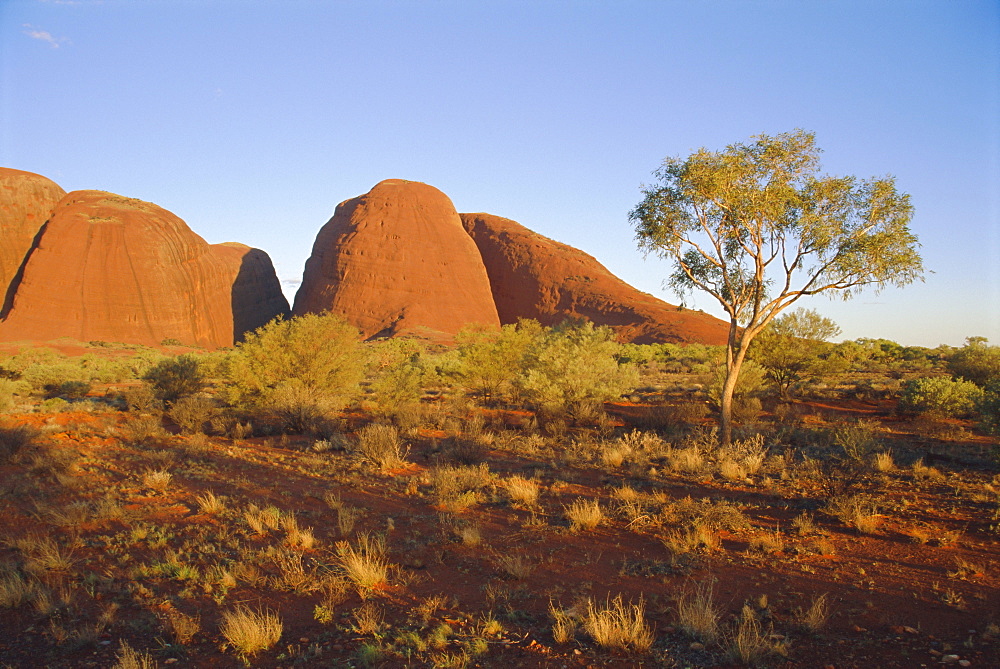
{"points": [[396, 260], [535, 277], [119, 269], [894, 602]]}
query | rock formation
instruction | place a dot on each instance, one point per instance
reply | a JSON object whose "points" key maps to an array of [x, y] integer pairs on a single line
{"points": [[395, 260], [113, 268], [256, 291], [535, 277], [25, 202]]}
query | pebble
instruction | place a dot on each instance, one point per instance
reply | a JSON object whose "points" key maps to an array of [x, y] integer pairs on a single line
{"points": [[950, 659], [304, 639], [696, 646], [170, 660], [964, 663]]}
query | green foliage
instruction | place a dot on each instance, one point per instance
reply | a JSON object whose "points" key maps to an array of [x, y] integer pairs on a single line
{"points": [[749, 383], [574, 365], [940, 396], [174, 378], [492, 360], [976, 362], [400, 374], [740, 223], [789, 348], [988, 408], [299, 369], [858, 439]]}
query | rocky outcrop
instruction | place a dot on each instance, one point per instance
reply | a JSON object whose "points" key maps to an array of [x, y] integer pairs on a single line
{"points": [[112, 268], [535, 277], [26, 199], [396, 260], [255, 289]]}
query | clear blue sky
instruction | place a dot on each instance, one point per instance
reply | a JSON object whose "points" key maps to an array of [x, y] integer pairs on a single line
{"points": [[252, 120]]}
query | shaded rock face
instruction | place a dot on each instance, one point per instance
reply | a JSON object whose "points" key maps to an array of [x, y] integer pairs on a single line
{"points": [[256, 296], [26, 199], [535, 277], [113, 268], [396, 260]]}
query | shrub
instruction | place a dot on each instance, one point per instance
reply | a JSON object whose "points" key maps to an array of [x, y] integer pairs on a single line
{"points": [[192, 413], [858, 439], [300, 369], [976, 362], [940, 396], [70, 389], [574, 364], [989, 408], [381, 446], [491, 360], [174, 378], [13, 439]]}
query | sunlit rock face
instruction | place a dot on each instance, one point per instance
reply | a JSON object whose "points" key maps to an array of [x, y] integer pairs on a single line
{"points": [[26, 200], [535, 277], [113, 268], [397, 260]]}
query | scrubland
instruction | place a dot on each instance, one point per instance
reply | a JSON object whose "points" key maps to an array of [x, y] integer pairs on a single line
{"points": [[534, 497]]}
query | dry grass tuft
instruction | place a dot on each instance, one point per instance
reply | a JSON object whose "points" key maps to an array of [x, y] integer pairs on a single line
{"points": [[248, 632], [129, 658], [584, 514], [619, 625], [364, 565], [697, 613], [380, 445], [521, 490], [815, 617]]}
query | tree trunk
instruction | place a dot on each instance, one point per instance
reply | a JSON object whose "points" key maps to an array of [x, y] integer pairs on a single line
{"points": [[736, 353], [733, 364]]}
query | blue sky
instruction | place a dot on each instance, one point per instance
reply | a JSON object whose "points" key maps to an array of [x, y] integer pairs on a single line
{"points": [[252, 120]]}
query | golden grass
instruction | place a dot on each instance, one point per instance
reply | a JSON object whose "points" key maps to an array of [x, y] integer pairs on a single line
{"points": [[584, 514], [248, 631], [619, 625]]}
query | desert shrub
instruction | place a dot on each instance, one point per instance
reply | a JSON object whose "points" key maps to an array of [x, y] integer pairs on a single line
{"points": [[381, 446], [858, 439], [976, 362], [400, 375], [68, 389], [141, 399], [491, 360], [790, 347], [988, 408], [174, 378], [192, 413], [9, 388], [299, 369], [573, 364], [940, 396], [13, 439]]}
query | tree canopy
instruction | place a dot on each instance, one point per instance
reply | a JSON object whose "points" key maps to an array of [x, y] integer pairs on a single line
{"points": [[757, 227]]}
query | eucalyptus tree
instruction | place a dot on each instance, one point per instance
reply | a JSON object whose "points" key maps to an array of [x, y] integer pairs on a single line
{"points": [[757, 227]]}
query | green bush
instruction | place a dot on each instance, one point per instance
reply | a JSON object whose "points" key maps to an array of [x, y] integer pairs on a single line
{"points": [[174, 378], [976, 362], [940, 396], [988, 408], [300, 370], [492, 360], [572, 365]]}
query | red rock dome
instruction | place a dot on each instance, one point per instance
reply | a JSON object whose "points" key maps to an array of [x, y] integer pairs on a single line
{"points": [[395, 260], [113, 268], [26, 199], [535, 277]]}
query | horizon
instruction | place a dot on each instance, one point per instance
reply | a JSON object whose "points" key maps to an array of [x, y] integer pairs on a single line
{"points": [[234, 117]]}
